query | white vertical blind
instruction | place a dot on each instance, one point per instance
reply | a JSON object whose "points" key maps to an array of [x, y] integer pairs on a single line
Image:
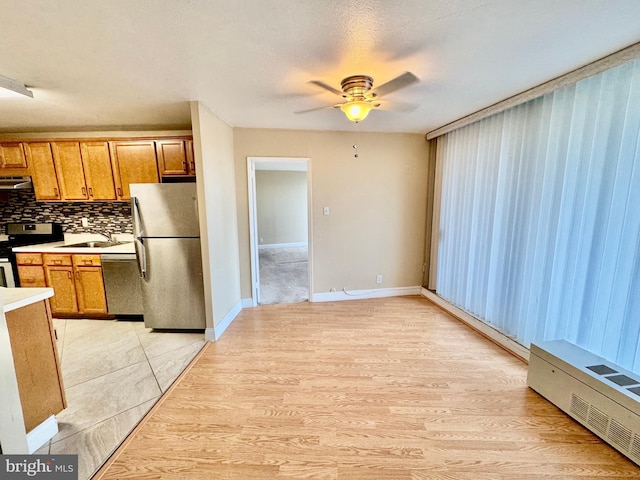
{"points": [[540, 217]]}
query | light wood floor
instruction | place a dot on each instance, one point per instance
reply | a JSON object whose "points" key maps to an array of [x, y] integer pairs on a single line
{"points": [[388, 388]]}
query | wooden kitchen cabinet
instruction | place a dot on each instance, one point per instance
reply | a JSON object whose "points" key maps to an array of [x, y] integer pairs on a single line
{"points": [[133, 162], [12, 155], [84, 170], [60, 276], [175, 157], [77, 283], [98, 170], [31, 270], [36, 363], [89, 284], [69, 170], [43, 170]]}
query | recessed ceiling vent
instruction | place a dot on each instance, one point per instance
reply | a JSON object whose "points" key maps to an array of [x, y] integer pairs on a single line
{"points": [[601, 396]]}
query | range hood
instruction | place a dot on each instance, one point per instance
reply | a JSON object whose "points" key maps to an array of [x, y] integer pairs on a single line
{"points": [[15, 183]]}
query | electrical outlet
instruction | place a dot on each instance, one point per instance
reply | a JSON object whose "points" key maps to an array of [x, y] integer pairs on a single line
{"points": [[85, 222], [325, 211], [379, 279]]}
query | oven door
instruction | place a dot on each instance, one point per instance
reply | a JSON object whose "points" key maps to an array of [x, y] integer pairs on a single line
{"points": [[6, 273]]}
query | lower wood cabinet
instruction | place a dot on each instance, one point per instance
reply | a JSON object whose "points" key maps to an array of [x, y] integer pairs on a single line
{"points": [[36, 362], [89, 284], [31, 270], [77, 284]]}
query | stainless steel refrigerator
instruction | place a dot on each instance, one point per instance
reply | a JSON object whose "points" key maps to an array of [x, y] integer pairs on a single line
{"points": [[167, 239]]}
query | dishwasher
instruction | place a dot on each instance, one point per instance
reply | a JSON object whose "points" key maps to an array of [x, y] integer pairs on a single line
{"points": [[122, 284]]}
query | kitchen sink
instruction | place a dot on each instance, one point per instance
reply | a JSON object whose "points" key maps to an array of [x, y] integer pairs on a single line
{"points": [[94, 244]]}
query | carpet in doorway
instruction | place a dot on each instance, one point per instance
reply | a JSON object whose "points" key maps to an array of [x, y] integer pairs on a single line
{"points": [[284, 275]]}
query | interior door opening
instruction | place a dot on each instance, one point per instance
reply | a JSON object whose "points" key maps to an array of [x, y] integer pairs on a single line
{"points": [[279, 201]]}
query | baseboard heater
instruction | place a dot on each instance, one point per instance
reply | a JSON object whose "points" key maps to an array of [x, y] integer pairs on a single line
{"points": [[598, 394]]}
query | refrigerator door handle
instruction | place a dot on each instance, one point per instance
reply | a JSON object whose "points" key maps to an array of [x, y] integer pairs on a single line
{"points": [[141, 257], [137, 223]]}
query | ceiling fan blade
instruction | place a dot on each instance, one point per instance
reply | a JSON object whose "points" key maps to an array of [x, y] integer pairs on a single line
{"points": [[398, 106], [401, 81], [326, 87], [313, 109]]}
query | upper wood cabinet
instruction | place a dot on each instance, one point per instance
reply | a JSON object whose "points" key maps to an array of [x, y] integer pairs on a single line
{"points": [[84, 170], [43, 170], [175, 157], [98, 171], [133, 162], [12, 155], [69, 170]]}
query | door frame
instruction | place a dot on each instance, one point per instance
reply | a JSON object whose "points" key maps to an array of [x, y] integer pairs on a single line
{"points": [[280, 163]]}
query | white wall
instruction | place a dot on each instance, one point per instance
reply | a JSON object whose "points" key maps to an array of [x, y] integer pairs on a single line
{"points": [[213, 148], [281, 198], [377, 203]]}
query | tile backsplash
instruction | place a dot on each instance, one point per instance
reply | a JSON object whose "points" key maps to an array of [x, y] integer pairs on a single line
{"points": [[104, 217]]}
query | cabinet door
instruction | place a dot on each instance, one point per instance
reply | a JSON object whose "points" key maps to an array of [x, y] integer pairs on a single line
{"points": [[134, 162], [68, 162], [36, 362], [172, 157], [12, 155], [90, 287], [31, 276], [43, 171], [98, 171], [190, 160], [61, 279]]}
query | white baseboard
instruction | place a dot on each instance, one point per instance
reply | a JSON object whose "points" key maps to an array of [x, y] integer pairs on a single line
{"points": [[221, 326], [282, 245], [247, 302], [480, 326], [362, 294], [41, 434]]}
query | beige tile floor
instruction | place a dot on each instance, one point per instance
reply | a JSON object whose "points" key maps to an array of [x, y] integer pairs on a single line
{"points": [[113, 372]]}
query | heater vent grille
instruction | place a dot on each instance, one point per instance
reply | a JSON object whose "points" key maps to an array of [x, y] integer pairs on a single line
{"points": [[598, 420], [620, 435], [579, 406], [635, 447], [601, 397]]}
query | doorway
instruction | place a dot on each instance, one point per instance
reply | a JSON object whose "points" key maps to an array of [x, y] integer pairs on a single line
{"points": [[280, 229]]}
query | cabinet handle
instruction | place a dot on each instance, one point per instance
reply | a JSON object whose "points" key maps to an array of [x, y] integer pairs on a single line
{"points": [[119, 191], [69, 276], [55, 191], [77, 275], [29, 280], [84, 191], [193, 166], [88, 262], [184, 165], [90, 191], [57, 262]]}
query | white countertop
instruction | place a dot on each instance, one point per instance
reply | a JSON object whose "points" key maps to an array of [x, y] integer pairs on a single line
{"points": [[14, 298], [58, 247]]}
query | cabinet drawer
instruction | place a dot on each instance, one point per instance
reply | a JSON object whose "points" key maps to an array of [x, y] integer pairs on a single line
{"points": [[57, 259], [86, 260], [31, 276], [29, 258]]}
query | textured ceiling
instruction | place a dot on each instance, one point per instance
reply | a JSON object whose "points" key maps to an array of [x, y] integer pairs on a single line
{"points": [[96, 64]]}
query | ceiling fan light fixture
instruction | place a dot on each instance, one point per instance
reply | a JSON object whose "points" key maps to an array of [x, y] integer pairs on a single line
{"points": [[357, 110]]}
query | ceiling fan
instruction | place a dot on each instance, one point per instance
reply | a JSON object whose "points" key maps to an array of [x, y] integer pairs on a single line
{"points": [[360, 95]]}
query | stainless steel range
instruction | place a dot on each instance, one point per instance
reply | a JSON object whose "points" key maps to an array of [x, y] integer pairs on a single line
{"points": [[21, 234]]}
